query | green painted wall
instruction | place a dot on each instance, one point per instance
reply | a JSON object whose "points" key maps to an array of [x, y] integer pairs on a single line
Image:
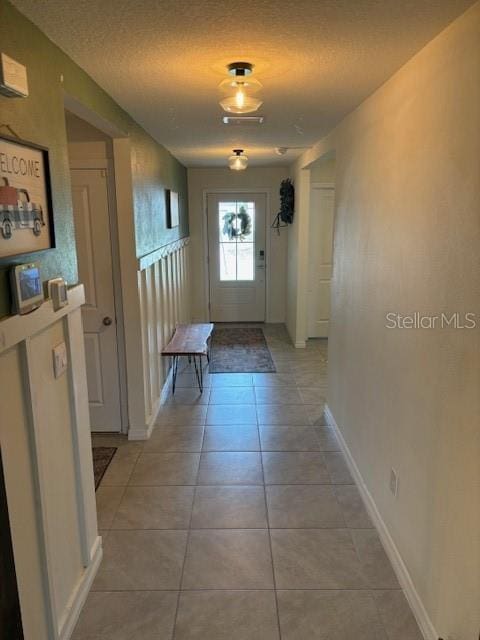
{"points": [[40, 119]]}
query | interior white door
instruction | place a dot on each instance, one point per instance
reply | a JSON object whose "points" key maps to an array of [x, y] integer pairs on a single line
{"points": [[94, 253], [320, 260], [237, 258]]}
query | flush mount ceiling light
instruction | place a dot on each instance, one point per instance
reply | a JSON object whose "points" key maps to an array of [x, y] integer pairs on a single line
{"points": [[239, 88], [239, 161]]}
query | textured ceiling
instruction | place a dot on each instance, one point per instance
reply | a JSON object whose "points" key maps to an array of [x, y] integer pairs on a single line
{"points": [[163, 61]]}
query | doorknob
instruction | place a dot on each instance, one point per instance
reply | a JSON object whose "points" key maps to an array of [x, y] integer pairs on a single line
{"points": [[107, 321]]}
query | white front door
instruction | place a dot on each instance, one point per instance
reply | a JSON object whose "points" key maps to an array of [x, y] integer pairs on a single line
{"points": [[94, 254], [320, 260], [237, 259]]}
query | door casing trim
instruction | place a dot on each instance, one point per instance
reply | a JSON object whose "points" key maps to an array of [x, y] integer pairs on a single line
{"points": [[112, 167], [315, 186], [108, 165]]}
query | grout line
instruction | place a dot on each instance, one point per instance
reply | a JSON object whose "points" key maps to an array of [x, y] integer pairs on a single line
{"points": [[187, 543], [270, 548], [289, 528], [237, 484], [363, 589]]}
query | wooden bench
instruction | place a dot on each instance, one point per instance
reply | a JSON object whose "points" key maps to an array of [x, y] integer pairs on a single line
{"points": [[191, 340]]}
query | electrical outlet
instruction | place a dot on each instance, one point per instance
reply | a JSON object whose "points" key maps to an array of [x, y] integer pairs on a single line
{"points": [[393, 482], [60, 360]]}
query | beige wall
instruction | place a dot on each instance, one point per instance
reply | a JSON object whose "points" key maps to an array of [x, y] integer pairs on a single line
{"points": [[265, 179], [407, 238], [323, 170]]}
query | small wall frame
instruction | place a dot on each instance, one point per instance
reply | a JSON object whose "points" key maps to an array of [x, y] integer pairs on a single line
{"points": [[173, 217]]}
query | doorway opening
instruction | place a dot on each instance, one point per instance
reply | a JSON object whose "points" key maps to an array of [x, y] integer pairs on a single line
{"points": [[320, 246], [92, 173], [236, 256]]}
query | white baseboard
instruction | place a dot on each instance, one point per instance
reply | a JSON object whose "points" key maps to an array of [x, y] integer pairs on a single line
{"points": [[300, 344], [81, 592], [144, 433], [401, 571]]}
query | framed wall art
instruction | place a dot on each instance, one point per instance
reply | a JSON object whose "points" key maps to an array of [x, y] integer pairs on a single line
{"points": [[26, 216], [173, 219]]}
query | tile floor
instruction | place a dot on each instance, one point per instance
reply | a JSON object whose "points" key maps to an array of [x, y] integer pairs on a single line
{"points": [[239, 520]]}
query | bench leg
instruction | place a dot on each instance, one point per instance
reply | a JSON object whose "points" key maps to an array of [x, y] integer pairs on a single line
{"points": [[199, 374], [174, 372]]}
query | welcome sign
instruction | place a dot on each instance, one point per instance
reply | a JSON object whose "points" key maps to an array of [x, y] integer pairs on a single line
{"points": [[25, 198]]}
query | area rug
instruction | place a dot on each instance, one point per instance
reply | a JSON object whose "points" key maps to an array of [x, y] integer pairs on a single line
{"points": [[238, 350], [102, 456]]}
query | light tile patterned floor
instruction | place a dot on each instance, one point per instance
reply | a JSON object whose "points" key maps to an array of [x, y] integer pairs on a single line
{"points": [[239, 520]]}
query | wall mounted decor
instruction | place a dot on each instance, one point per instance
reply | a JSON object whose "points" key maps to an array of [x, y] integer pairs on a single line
{"points": [[173, 218], [26, 220], [287, 205]]}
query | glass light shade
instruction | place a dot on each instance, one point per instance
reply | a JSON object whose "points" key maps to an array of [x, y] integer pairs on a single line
{"points": [[240, 103], [238, 162], [252, 85]]}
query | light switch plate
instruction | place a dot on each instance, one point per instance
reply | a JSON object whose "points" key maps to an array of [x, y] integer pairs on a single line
{"points": [[394, 482], [60, 360]]}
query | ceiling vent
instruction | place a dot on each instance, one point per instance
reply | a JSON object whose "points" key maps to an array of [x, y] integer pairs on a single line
{"points": [[243, 120]]}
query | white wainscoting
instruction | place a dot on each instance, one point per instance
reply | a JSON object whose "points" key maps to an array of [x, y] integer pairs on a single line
{"points": [[163, 287], [47, 458]]}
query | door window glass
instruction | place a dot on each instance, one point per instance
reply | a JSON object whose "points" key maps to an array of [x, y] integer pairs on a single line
{"points": [[236, 226]]}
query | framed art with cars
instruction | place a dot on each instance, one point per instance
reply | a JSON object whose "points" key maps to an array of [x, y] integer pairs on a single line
{"points": [[26, 217]]}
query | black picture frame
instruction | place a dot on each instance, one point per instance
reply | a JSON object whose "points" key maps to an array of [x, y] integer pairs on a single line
{"points": [[172, 208], [9, 168]]}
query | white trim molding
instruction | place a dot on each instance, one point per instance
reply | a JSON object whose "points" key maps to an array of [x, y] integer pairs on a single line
{"points": [[16, 329], [322, 185], [163, 284], [49, 421], [172, 247], [80, 594], [142, 433], [423, 619]]}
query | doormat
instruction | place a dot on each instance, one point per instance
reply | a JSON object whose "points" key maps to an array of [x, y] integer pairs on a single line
{"points": [[102, 456], [240, 351]]}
